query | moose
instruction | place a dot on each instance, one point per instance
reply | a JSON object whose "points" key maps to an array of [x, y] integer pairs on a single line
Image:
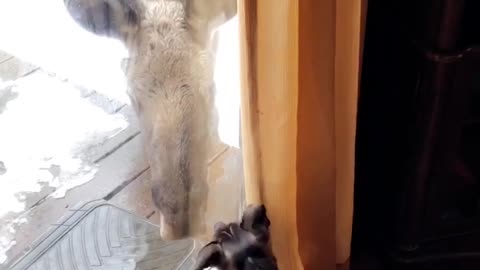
{"points": [[169, 71]]}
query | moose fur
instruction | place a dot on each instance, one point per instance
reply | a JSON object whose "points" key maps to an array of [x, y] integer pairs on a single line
{"points": [[170, 79]]}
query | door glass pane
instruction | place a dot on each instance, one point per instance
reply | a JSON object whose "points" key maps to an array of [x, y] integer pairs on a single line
{"points": [[117, 101]]}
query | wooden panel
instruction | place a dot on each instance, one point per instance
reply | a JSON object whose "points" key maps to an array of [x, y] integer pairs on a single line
{"points": [[137, 197], [225, 181], [4, 56], [13, 68], [225, 185], [122, 167], [95, 153]]}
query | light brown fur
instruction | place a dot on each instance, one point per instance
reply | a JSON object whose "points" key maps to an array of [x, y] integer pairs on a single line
{"points": [[170, 75]]}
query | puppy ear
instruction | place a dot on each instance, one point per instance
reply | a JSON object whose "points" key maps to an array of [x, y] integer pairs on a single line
{"points": [[218, 228], [115, 18], [255, 218], [210, 255]]}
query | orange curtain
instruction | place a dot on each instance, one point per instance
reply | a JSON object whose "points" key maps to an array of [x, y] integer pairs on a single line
{"points": [[300, 71]]}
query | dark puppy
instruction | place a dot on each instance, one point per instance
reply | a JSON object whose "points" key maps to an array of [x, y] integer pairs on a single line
{"points": [[244, 246]]}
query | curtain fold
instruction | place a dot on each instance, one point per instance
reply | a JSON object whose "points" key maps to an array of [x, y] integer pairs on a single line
{"points": [[269, 46], [349, 27], [300, 73]]}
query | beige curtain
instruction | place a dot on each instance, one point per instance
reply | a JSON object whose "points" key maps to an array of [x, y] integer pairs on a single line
{"points": [[300, 73]]}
